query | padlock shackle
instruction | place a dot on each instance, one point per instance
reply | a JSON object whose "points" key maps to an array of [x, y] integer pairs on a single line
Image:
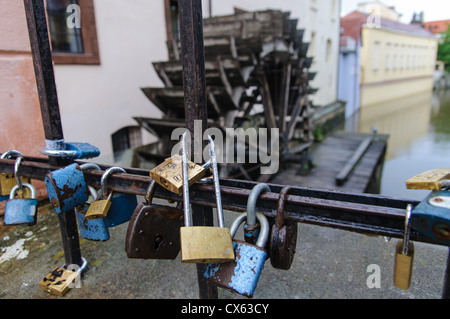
{"points": [[87, 166], [263, 234], [281, 206], [26, 185], [9, 154], [16, 171], [212, 149], [106, 175], [407, 231], [251, 202], [184, 173], [151, 192]]}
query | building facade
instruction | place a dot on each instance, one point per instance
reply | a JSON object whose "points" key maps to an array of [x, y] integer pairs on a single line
{"points": [[396, 59]]}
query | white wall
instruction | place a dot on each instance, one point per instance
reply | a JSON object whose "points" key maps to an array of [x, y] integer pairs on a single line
{"points": [[319, 16], [96, 101]]}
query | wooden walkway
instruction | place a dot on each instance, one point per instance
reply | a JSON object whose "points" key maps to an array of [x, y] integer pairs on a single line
{"points": [[332, 157]]}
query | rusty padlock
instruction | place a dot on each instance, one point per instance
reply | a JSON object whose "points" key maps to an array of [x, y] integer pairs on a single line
{"points": [[283, 236], [154, 230], [8, 181]]}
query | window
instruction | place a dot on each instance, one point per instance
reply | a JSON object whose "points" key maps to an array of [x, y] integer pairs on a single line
{"points": [[126, 138], [395, 57], [329, 51], [401, 57], [387, 61], [172, 28], [73, 31], [376, 56]]}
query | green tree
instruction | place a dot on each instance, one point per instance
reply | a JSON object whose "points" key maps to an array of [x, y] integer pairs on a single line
{"points": [[444, 49]]}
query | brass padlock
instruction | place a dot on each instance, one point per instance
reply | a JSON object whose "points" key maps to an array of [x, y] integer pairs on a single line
{"points": [[100, 208], [203, 244], [430, 180], [169, 173], [8, 181], [61, 279], [404, 257]]}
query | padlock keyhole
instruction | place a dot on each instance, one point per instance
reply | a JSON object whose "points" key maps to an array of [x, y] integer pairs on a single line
{"points": [[158, 242]]}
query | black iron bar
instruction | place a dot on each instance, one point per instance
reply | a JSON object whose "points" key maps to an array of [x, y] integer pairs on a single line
{"points": [[51, 118], [195, 106]]}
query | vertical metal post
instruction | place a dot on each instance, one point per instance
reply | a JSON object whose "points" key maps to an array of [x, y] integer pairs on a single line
{"points": [[194, 83], [51, 118]]}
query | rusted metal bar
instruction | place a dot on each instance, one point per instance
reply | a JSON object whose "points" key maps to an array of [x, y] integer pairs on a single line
{"points": [[361, 213], [51, 118], [195, 105]]}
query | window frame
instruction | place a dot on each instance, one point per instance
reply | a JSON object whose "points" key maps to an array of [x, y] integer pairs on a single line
{"points": [[91, 54]]}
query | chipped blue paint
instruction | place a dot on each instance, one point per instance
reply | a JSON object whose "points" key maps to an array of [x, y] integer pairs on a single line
{"points": [[83, 150], [433, 221], [241, 275], [66, 188], [21, 211]]}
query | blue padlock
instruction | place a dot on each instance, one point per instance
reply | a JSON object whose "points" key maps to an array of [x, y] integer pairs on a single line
{"points": [[431, 217], [66, 188], [21, 211], [243, 273], [95, 229], [71, 151]]}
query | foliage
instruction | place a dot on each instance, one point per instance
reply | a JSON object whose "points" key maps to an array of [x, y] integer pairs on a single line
{"points": [[444, 49]]}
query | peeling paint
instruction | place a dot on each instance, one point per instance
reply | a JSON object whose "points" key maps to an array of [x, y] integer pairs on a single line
{"points": [[17, 251]]}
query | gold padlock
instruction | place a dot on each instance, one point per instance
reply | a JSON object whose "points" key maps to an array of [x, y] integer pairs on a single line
{"points": [[404, 257], [169, 174], [100, 207], [204, 244], [8, 181], [61, 279]]}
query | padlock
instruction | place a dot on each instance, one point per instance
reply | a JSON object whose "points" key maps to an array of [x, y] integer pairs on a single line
{"points": [[251, 226], [203, 244], [21, 211], [61, 279], [283, 236], [95, 229], [154, 230], [115, 209], [66, 188], [242, 275], [8, 181], [404, 256], [431, 216], [169, 173]]}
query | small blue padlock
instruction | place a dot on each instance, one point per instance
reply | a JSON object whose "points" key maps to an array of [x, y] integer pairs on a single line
{"points": [[243, 273], [21, 211], [71, 151], [95, 229], [66, 188]]}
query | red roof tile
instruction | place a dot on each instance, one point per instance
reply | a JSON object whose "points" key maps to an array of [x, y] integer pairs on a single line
{"points": [[353, 22], [437, 27]]}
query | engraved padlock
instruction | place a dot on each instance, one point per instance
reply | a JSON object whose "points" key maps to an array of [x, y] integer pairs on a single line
{"points": [[8, 181], [21, 211], [169, 173], [61, 279], [242, 275], [66, 188], [204, 244], [154, 230]]}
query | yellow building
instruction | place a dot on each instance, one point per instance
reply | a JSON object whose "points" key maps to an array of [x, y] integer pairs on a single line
{"points": [[396, 59]]}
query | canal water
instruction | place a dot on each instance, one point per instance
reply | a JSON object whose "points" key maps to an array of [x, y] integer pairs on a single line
{"points": [[419, 138]]}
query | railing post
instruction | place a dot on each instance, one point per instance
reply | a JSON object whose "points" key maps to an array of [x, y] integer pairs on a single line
{"points": [[51, 118]]}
